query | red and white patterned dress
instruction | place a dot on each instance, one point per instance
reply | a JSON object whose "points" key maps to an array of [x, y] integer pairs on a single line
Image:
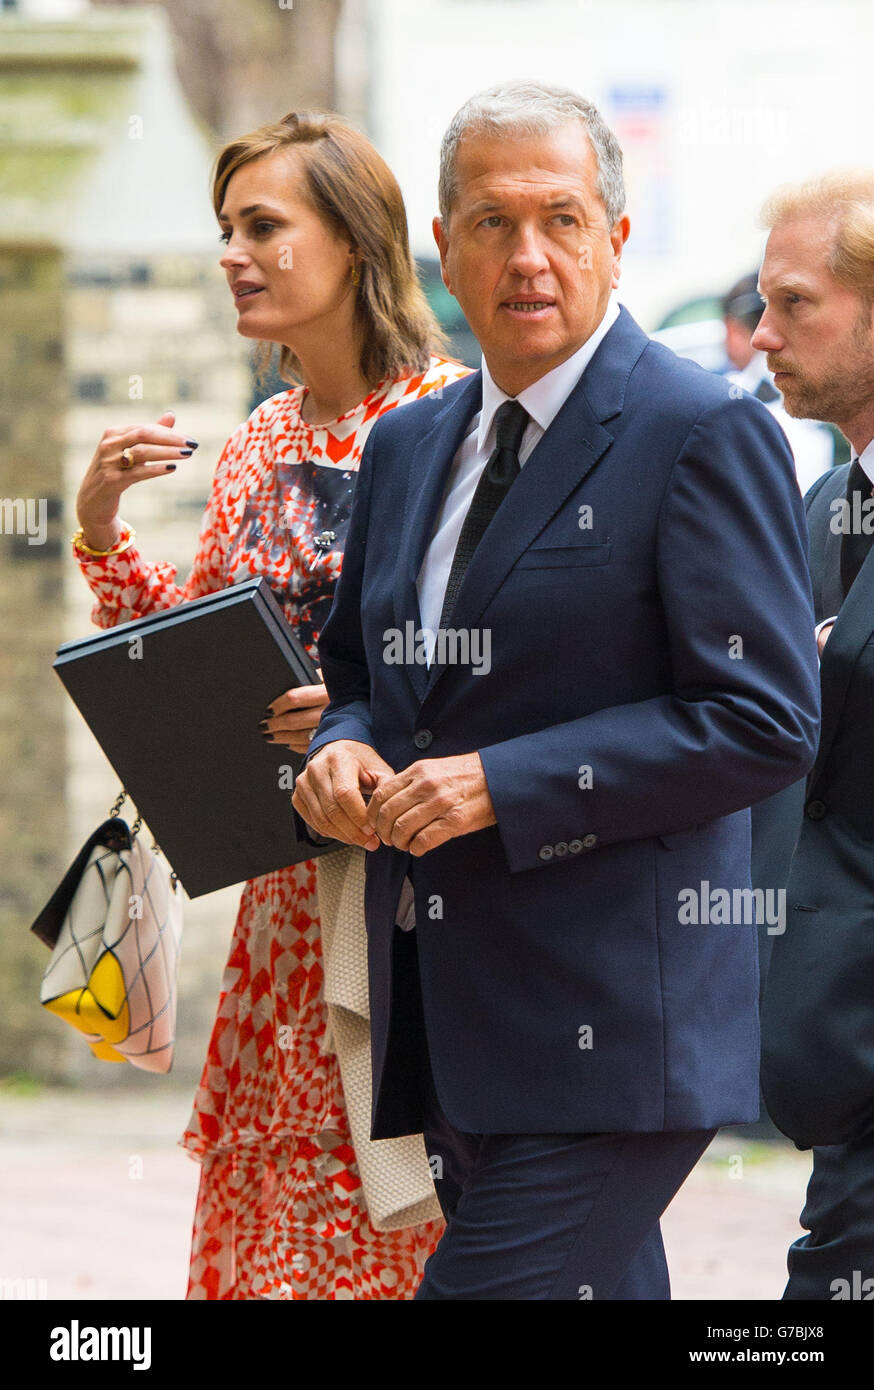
{"points": [[280, 1211]]}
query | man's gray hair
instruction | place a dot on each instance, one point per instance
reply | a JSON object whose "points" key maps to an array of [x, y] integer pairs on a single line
{"points": [[532, 108]]}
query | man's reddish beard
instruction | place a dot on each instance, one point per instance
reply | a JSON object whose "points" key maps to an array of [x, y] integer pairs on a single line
{"points": [[836, 398]]}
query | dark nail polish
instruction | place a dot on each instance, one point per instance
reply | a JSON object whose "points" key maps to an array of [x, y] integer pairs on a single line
{"points": [[263, 724], [268, 713], [269, 737], [171, 468], [192, 443], [186, 453]]}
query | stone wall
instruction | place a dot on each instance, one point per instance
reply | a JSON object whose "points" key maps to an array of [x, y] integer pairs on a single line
{"points": [[33, 813]]}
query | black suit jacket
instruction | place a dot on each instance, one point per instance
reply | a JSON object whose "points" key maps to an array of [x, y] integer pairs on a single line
{"points": [[818, 1017]]}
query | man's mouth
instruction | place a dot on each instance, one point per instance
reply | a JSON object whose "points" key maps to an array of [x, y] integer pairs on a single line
{"points": [[528, 306]]}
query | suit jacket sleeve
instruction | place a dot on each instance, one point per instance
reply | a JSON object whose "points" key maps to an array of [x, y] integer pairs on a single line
{"points": [[741, 721]]}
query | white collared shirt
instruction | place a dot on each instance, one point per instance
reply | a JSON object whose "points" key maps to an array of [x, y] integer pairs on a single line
{"points": [[543, 400], [866, 458]]}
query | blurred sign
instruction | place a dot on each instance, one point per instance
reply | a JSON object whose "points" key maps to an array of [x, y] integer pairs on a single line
{"points": [[638, 116]]}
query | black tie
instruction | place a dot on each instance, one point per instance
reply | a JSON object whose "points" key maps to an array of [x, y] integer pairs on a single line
{"points": [[855, 544], [495, 481]]}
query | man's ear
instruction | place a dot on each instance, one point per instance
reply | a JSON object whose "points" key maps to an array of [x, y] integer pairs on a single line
{"points": [[442, 241], [618, 238]]}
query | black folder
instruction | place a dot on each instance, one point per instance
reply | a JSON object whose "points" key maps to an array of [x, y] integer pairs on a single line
{"points": [[174, 700]]}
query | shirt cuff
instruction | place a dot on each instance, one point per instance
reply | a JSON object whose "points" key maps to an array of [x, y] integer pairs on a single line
{"points": [[818, 629]]}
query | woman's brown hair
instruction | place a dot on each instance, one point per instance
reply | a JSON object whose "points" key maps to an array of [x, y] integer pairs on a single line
{"points": [[353, 189]]}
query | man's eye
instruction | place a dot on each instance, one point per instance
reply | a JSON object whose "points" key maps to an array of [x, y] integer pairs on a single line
{"points": [[793, 298], [566, 219], [494, 220]]}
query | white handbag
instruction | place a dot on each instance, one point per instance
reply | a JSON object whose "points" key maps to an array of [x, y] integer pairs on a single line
{"points": [[115, 928]]}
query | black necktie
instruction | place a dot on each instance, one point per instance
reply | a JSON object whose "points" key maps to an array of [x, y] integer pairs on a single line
{"points": [[495, 482], [855, 544]]}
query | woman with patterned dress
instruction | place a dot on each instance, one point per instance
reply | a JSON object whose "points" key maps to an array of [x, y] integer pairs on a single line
{"points": [[318, 260]]}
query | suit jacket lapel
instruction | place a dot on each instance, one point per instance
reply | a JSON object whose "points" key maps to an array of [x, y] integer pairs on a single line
{"points": [[426, 483], [854, 625], [569, 449], [825, 547], [831, 590]]}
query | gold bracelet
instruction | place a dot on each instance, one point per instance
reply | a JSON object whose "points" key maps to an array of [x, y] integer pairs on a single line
{"points": [[121, 545]]}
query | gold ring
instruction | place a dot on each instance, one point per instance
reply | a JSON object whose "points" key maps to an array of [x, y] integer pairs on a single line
{"points": [[127, 458]]}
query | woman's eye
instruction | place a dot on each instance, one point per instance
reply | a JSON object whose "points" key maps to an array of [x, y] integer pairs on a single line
{"points": [[260, 229]]}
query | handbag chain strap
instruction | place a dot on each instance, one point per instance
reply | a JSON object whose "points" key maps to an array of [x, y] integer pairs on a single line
{"points": [[135, 829], [138, 823]]}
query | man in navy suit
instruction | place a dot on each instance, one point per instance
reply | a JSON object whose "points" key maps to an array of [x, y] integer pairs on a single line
{"points": [[571, 643], [818, 1015]]}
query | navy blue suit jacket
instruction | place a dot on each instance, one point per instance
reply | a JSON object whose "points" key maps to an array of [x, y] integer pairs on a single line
{"points": [[818, 1011], [611, 648]]}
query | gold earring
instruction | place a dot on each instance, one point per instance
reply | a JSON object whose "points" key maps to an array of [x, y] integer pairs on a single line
{"points": [[356, 278]]}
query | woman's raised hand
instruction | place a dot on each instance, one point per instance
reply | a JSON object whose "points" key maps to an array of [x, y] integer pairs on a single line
{"points": [[292, 718], [153, 450]]}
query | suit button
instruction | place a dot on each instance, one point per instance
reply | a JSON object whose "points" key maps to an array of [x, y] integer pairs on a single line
{"points": [[816, 810], [574, 846], [545, 852], [561, 849], [590, 841], [423, 738]]}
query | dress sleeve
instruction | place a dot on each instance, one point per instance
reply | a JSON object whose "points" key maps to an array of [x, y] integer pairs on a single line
{"points": [[128, 586]]}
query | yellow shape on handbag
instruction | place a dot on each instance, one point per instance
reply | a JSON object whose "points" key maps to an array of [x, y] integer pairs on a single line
{"points": [[100, 1006]]}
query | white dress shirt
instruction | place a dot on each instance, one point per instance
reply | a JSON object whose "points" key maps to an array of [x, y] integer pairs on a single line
{"points": [[543, 400], [866, 458]]}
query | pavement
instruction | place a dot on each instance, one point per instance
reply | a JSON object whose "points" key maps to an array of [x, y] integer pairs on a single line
{"points": [[96, 1201]]}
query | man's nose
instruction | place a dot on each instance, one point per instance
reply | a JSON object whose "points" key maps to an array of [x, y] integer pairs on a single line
{"points": [[528, 256], [766, 338]]}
